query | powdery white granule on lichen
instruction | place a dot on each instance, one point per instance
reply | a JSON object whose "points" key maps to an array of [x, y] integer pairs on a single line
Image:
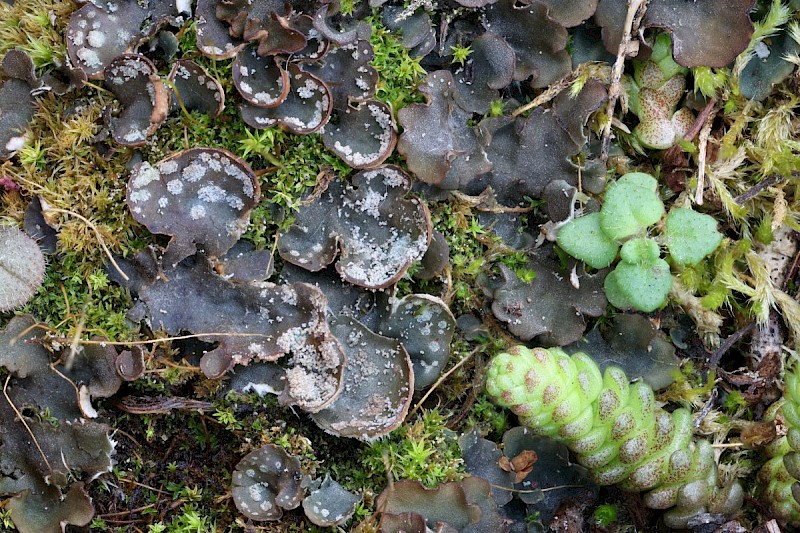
{"points": [[96, 39], [308, 89], [194, 171], [140, 196], [175, 186], [145, 175], [377, 263], [168, 167], [211, 194], [89, 58]]}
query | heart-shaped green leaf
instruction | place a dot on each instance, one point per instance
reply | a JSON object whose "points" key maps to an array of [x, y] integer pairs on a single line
{"points": [[583, 239], [691, 236], [643, 286], [631, 204]]}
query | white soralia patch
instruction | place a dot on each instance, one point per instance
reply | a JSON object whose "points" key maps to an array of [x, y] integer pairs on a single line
{"points": [[175, 186], [168, 167], [194, 172], [145, 175], [96, 38], [211, 194]]}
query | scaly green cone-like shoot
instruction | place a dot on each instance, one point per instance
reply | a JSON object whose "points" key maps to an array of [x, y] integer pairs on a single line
{"points": [[615, 429]]}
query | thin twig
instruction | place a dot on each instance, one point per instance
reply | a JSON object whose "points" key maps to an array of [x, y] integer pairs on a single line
{"points": [[24, 423], [531, 491], [441, 379], [176, 338], [74, 346], [635, 13], [129, 511], [30, 328], [702, 140], [701, 119], [49, 208], [551, 92], [729, 342], [706, 408], [753, 191]]}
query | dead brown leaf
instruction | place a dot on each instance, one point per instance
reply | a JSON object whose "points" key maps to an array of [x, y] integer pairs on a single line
{"points": [[521, 465]]}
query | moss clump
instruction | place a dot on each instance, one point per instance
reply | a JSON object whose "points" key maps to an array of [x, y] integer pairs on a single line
{"points": [[423, 450], [62, 166], [37, 28]]}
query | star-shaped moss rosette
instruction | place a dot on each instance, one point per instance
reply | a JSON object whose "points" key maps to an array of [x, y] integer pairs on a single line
{"points": [[707, 33], [202, 197], [376, 232], [263, 322], [144, 99], [41, 481]]}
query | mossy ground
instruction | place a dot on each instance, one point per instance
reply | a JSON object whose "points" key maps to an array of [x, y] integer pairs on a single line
{"points": [[173, 470]]}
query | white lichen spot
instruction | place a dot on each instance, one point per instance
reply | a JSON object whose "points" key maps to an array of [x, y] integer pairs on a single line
{"points": [[235, 202], [140, 196], [197, 212], [168, 167], [175, 186], [96, 39], [89, 58], [308, 89], [264, 98], [15, 143], [194, 172], [211, 194], [145, 175]]}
